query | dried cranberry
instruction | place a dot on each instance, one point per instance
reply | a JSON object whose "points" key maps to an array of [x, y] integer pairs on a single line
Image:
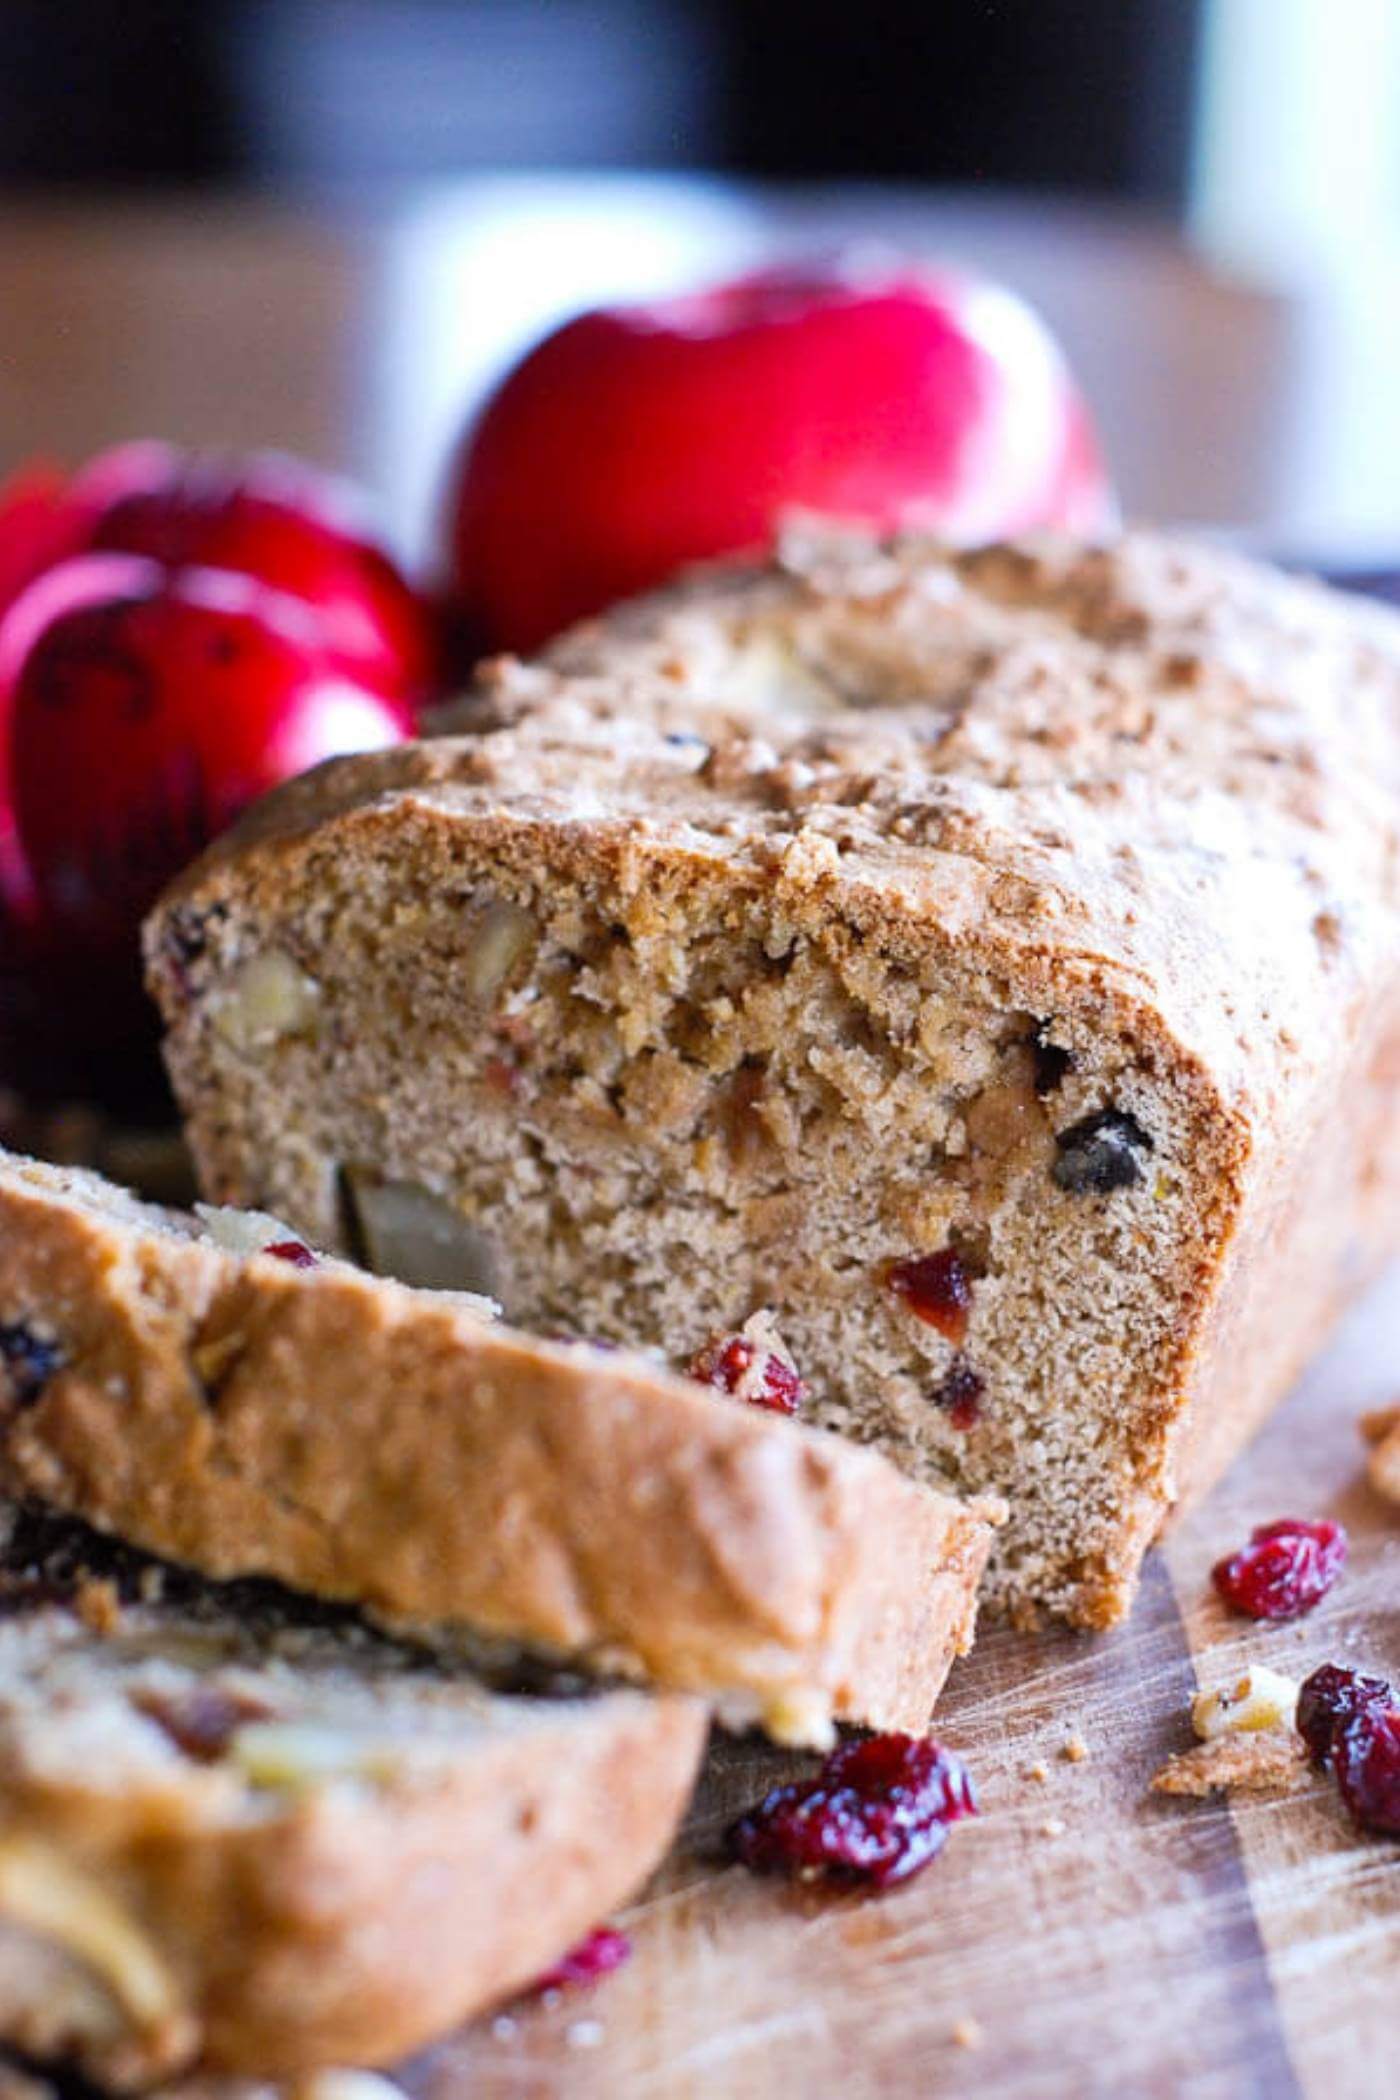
{"points": [[29, 1361], [603, 1951], [1285, 1570], [1100, 1153], [877, 1811], [1330, 1700], [203, 1720], [960, 1394], [1366, 1759], [294, 1251], [734, 1364], [937, 1289]]}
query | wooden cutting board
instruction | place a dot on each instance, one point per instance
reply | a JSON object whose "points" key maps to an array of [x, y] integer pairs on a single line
{"points": [[1084, 1936]]}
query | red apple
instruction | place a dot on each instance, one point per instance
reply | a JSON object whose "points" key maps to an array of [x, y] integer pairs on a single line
{"points": [[35, 532], [148, 707], [636, 439], [278, 520]]}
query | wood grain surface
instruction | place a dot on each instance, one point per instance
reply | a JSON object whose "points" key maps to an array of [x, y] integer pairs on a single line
{"points": [[1084, 1937]]}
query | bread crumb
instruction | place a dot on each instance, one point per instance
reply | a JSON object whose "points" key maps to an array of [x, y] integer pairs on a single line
{"points": [[1076, 1750], [967, 2032], [1053, 1827], [1039, 1771], [1271, 1761], [98, 1605]]}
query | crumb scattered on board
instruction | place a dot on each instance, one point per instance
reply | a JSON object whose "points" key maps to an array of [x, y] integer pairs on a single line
{"points": [[1075, 1750], [1053, 1827], [1039, 1771], [1381, 1429], [967, 2032], [1269, 1761]]}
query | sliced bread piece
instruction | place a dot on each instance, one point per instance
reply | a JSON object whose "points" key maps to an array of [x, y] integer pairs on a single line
{"points": [[250, 1413], [234, 1836], [989, 962]]}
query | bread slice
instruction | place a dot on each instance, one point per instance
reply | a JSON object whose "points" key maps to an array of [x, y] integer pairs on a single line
{"points": [[398, 1449], [234, 1836], [989, 962]]}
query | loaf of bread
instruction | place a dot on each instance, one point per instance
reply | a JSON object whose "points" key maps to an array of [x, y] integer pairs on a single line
{"points": [[233, 1837], [175, 1383], [990, 962]]}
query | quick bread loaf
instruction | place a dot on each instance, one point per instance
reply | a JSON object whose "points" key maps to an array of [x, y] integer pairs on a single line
{"points": [[235, 1838], [209, 1390], [990, 962]]}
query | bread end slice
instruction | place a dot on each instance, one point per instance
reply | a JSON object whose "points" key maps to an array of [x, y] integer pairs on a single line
{"points": [[235, 1838]]}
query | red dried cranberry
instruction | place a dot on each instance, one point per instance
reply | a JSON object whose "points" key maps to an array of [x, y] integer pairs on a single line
{"points": [[960, 1394], [1330, 1700], [734, 1364], [1366, 1759], [203, 1720], [937, 1289], [877, 1811], [294, 1251], [603, 1951], [1285, 1570]]}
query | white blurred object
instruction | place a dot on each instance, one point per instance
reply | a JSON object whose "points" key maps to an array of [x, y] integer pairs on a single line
{"points": [[479, 271], [1296, 168], [1296, 190]]}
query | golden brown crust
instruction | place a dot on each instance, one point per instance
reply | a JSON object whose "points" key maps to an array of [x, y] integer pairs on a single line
{"points": [[361, 1441], [418, 1849]]}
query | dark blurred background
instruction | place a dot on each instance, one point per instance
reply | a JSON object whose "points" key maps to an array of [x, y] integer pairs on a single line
{"points": [[328, 224], [1094, 95]]}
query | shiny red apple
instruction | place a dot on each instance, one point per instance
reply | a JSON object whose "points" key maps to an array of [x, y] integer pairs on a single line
{"points": [[35, 532], [148, 707], [636, 439], [278, 520]]}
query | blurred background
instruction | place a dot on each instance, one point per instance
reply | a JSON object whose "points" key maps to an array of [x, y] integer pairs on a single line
{"points": [[327, 223]]}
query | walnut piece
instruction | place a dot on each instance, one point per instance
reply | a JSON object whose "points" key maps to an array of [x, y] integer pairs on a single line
{"points": [[1260, 1698]]}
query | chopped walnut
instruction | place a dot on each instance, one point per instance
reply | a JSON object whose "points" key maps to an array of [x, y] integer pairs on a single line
{"points": [[1260, 1698]]}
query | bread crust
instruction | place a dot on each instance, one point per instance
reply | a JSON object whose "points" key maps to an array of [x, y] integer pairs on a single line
{"points": [[361, 1441]]}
